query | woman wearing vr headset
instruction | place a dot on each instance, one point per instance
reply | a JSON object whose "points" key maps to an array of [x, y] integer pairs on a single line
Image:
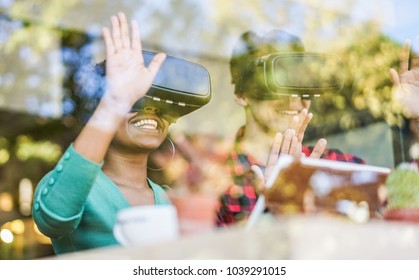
{"points": [[279, 118], [105, 168]]}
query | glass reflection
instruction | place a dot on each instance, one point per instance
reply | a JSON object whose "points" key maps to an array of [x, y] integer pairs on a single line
{"points": [[46, 91]]}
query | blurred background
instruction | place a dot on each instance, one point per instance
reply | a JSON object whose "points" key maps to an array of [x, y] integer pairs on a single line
{"points": [[46, 47]]}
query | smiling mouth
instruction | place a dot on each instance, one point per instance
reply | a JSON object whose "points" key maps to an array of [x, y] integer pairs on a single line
{"points": [[146, 124]]}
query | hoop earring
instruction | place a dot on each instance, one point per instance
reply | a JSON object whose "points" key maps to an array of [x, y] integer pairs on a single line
{"points": [[173, 155]]}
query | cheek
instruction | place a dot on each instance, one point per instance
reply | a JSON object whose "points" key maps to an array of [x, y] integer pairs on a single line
{"points": [[122, 136], [278, 122], [122, 131]]}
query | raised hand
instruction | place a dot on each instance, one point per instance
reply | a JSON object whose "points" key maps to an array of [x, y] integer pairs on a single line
{"points": [[128, 79], [289, 142], [292, 139], [407, 83]]}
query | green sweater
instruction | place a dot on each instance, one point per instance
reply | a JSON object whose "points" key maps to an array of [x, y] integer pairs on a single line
{"points": [[76, 204]]}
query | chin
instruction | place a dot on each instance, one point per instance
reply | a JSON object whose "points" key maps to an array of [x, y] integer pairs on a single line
{"points": [[148, 142], [275, 128], [142, 144]]}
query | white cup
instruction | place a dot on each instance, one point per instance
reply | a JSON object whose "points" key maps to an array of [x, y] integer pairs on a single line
{"points": [[146, 225]]}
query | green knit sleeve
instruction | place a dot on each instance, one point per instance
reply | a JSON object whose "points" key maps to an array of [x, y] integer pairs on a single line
{"points": [[60, 196]]}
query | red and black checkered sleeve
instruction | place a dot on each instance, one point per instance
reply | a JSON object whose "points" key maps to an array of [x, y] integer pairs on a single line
{"points": [[334, 154]]}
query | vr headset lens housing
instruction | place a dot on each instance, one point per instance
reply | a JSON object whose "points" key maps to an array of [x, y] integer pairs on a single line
{"points": [[181, 75], [179, 88], [299, 74]]}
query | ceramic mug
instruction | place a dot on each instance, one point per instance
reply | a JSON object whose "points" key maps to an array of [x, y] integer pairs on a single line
{"points": [[146, 225]]}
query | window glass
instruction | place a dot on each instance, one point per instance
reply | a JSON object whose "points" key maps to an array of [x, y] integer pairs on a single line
{"points": [[48, 48]]}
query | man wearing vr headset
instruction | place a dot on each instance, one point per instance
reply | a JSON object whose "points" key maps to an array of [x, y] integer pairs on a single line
{"points": [[273, 111], [105, 169]]}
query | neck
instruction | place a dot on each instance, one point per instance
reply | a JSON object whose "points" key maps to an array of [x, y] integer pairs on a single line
{"points": [[257, 142], [126, 169]]}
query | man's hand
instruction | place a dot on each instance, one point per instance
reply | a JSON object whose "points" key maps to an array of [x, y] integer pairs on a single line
{"points": [[406, 84], [290, 142], [293, 137]]}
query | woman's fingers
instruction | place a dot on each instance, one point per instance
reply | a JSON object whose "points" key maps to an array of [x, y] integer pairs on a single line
{"points": [[136, 43], [116, 33], [136, 36], [120, 32], [110, 49], [123, 25]]}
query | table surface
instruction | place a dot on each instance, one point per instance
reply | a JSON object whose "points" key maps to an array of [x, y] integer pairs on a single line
{"points": [[297, 237]]}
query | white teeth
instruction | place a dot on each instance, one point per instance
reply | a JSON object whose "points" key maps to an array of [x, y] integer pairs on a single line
{"points": [[289, 112], [147, 124]]}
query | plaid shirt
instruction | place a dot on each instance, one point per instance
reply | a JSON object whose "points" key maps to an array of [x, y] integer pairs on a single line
{"points": [[240, 198]]}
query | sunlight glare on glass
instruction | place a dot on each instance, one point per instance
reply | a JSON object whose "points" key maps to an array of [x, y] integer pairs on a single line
{"points": [[6, 236], [17, 226], [4, 156], [6, 202]]}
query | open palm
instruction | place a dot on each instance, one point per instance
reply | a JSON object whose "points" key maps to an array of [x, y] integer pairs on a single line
{"points": [[128, 79], [407, 83]]}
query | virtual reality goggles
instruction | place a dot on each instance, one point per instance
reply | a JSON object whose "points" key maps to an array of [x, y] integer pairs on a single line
{"points": [[299, 74], [179, 88]]}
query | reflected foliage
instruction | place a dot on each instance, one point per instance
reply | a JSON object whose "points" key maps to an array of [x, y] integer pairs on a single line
{"points": [[366, 96]]}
